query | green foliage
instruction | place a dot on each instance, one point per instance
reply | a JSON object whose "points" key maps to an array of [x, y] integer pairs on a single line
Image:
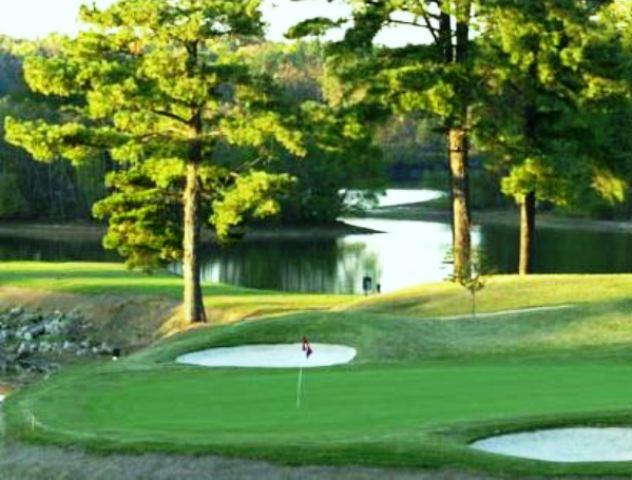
{"points": [[341, 152], [313, 27], [144, 216], [159, 85], [552, 76], [253, 193]]}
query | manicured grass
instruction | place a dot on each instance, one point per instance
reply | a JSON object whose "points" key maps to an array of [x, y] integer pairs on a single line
{"points": [[419, 390], [417, 393], [225, 303], [502, 292]]}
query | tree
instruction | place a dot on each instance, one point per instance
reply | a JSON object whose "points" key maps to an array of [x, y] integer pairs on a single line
{"points": [[341, 151], [162, 87], [473, 280], [431, 77], [544, 85]]}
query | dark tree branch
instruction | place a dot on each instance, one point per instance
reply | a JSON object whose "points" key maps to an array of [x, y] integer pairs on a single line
{"points": [[431, 29], [173, 116]]}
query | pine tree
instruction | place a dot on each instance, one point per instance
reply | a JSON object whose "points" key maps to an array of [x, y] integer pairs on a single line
{"points": [[545, 91], [161, 85], [432, 76]]}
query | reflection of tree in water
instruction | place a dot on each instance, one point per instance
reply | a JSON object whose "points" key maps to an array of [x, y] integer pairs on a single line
{"points": [[54, 250], [328, 265], [354, 263], [287, 265], [499, 247]]}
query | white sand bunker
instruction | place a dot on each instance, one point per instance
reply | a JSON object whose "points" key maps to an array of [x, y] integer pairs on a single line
{"points": [[271, 356], [584, 444]]}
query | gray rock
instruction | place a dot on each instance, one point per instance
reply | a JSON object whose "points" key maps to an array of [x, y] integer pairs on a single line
{"points": [[54, 327], [37, 330], [23, 349]]}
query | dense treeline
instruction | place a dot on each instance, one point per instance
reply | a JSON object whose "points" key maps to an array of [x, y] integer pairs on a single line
{"points": [[31, 189], [59, 190], [404, 150]]}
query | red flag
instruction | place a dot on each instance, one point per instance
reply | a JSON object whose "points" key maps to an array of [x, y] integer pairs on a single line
{"points": [[307, 348]]}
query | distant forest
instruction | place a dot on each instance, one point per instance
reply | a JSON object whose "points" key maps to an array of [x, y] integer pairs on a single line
{"points": [[404, 151]]}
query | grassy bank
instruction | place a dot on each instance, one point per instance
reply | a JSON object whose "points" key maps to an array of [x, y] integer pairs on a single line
{"points": [[225, 303], [421, 387]]}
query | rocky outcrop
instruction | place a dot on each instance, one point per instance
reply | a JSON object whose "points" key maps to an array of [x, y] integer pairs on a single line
{"points": [[37, 341]]}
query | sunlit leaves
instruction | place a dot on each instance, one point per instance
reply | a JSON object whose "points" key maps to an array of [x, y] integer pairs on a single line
{"points": [[149, 83], [611, 187], [254, 193]]}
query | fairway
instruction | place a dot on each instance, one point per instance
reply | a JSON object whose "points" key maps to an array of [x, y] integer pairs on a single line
{"points": [[415, 396]]}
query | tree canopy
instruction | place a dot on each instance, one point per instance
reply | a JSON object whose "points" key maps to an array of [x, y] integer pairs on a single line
{"points": [[163, 88]]}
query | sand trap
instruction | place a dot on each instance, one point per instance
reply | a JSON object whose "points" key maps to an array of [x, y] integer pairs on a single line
{"points": [[583, 444], [271, 356]]}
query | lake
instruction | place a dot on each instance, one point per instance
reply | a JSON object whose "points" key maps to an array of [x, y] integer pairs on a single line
{"points": [[405, 254]]}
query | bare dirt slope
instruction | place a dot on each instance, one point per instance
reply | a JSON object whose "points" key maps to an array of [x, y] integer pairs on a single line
{"points": [[129, 321]]}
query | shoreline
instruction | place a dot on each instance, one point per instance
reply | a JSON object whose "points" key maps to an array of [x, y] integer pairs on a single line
{"points": [[506, 218], [79, 232]]}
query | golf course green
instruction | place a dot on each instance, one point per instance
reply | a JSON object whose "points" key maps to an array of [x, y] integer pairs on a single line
{"points": [[427, 380]]}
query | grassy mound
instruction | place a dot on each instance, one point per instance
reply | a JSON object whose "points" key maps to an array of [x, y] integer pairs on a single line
{"points": [[421, 387], [418, 391]]}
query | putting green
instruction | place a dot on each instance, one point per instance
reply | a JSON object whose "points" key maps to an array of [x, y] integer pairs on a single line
{"points": [[401, 403]]}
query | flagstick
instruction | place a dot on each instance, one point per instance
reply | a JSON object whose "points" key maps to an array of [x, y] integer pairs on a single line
{"points": [[299, 387]]}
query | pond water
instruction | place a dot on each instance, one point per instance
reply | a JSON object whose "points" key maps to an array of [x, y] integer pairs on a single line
{"points": [[405, 254]]}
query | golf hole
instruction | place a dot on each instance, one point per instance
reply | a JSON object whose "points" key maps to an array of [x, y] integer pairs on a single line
{"points": [[271, 356], [581, 444]]}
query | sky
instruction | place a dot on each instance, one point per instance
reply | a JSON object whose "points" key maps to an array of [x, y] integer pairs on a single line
{"points": [[38, 18]]}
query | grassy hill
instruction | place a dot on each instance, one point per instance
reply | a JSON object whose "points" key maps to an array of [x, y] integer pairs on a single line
{"points": [[427, 379]]}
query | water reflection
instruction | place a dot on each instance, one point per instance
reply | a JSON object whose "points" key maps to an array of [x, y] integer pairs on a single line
{"points": [[561, 250], [407, 253], [54, 250]]}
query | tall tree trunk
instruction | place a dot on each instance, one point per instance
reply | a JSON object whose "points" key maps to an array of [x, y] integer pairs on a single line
{"points": [[527, 205], [461, 241], [454, 40], [527, 233], [193, 300]]}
